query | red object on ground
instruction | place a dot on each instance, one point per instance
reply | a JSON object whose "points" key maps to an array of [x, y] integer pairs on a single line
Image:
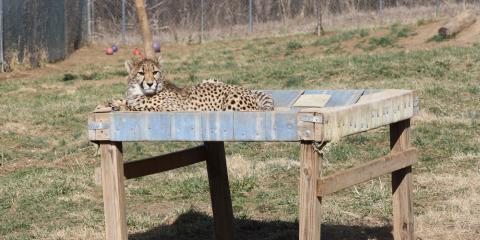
{"points": [[136, 52], [109, 51]]}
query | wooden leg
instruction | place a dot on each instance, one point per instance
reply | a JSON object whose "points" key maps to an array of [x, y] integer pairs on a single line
{"points": [[219, 190], [310, 218], [402, 184], [113, 190]]}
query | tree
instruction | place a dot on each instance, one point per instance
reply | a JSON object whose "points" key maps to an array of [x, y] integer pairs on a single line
{"points": [[318, 15]]}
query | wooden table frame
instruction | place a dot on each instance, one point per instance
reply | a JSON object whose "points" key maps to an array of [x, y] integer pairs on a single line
{"points": [[313, 125], [399, 163], [114, 171]]}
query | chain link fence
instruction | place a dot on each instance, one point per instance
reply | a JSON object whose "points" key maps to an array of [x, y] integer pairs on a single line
{"points": [[199, 20], [37, 31]]}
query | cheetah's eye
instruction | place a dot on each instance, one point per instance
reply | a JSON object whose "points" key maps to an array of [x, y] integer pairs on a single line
{"points": [[155, 72], [140, 73]]}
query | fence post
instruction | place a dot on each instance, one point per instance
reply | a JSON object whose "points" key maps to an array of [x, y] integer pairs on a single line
{"points": [[89, 23], [123, 23], [380, 9], [437, 8], [202, 21], [250, 16], [1, 36], [318, 15], [92, 19]]}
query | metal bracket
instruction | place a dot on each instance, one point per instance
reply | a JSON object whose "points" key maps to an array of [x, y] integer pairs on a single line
{"points": [[313, 119]]}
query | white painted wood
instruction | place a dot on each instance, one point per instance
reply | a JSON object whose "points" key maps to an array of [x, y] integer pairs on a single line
{"points": [[312, 100]]}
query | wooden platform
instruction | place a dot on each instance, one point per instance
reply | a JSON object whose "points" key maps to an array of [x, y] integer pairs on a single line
{"points": [[304, 116], [346, 112]]}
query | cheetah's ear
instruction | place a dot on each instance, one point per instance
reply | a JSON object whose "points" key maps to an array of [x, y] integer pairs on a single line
{"points": [[129, 65]]}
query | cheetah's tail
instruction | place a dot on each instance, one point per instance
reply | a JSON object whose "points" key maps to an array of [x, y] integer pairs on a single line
{"points": [[264, 101]]}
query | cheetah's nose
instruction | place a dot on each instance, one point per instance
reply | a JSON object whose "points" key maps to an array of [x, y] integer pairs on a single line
{"points": [[149, 84]]}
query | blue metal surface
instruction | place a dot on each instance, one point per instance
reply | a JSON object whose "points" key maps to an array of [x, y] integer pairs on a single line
{"points": [[217, 126], [186, 126], [159, 125], [284, 98], [281, 126], [204, 126], [130, 126], [249, 126]]}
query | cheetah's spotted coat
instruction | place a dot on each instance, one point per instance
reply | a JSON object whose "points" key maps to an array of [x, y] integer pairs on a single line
{"points": [[149, 91]]}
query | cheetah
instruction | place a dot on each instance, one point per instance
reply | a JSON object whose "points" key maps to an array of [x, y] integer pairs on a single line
{"points": [[148, 90]]}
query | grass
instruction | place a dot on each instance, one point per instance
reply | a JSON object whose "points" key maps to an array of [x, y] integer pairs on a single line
{"points": [[396, 32], [341, 37], [439, 38], [292, 46], [46, 163]]}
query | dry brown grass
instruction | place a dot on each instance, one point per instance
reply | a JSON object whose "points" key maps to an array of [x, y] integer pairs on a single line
{"points": [[348, 19], [456, 210]]}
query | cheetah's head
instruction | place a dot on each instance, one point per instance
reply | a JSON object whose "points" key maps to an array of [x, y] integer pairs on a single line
{"points": [[145, 77]]}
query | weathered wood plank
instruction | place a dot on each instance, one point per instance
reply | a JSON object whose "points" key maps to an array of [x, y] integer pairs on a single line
{"points": [[99, 125], [113, 190], [367, 171], [219, 190], [312, 100], [342, 121], [305, 128], [90, 130], [376, 95], [310, 218], [371, 91], [402, 186], [457, 24], [144, 167]]}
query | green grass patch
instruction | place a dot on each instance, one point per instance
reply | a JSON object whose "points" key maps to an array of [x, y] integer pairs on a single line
{"points": [[292, 46], [341, 37], [440, 38], [395, 32]]}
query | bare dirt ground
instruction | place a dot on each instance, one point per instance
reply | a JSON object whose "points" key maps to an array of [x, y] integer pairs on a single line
{"points": [[425, 32]]}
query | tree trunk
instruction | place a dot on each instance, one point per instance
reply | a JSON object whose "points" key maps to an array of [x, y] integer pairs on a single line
{"points": [[318, 13]]}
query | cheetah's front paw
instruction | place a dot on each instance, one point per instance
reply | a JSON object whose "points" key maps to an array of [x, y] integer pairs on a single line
{"points": [[112, 106], [118, 105]]}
